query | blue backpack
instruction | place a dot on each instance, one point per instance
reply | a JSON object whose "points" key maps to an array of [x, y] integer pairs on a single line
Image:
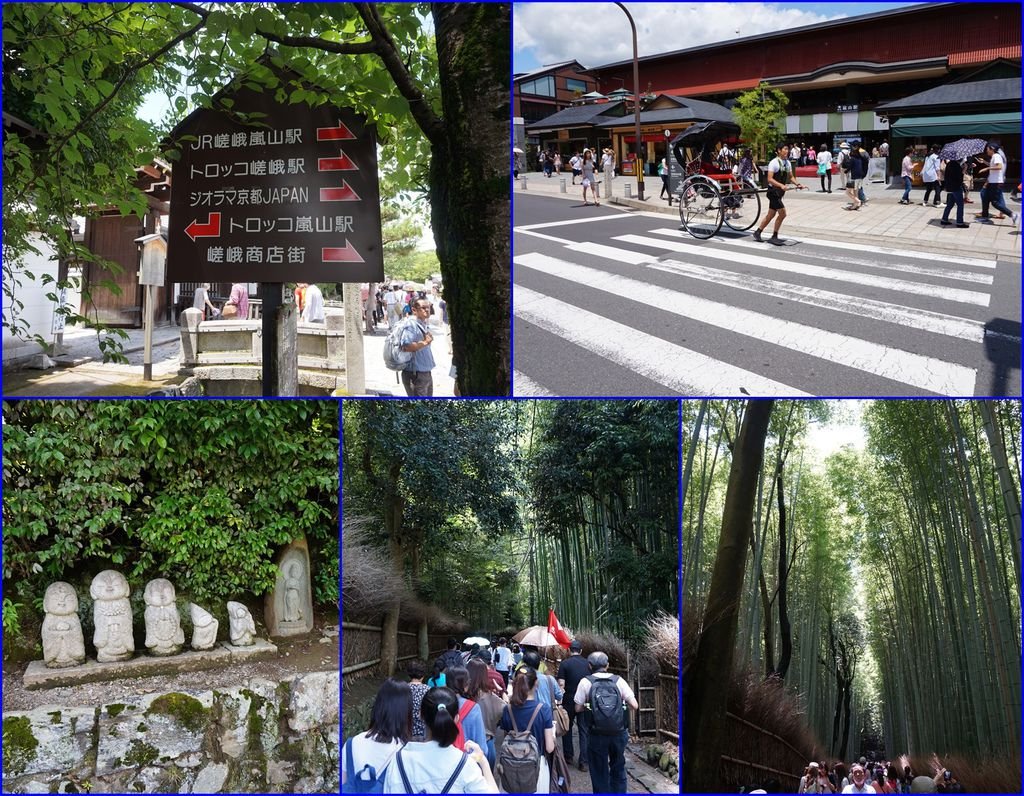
{"points": [[366, 781]]}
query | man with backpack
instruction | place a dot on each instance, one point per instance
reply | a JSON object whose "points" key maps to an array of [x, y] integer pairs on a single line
{"points": [[416, 339], [603, 698]]}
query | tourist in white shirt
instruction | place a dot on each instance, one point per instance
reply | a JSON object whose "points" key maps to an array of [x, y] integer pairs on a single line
{"points": [[431, 764], [992, 194], [859, 777], [366, 756]]}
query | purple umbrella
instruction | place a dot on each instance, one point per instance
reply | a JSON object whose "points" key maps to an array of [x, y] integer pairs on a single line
{"points": [[962, 148]]}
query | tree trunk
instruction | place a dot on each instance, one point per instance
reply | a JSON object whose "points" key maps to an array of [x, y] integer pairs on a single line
{"points": [[1011, 495], [785, 630], [712, 669], [389, 640], [470, 177], [423, 641]]}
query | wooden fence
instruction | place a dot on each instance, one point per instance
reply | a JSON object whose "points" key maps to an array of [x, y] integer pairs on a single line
{"points": [[769, 756], [360, 649]]}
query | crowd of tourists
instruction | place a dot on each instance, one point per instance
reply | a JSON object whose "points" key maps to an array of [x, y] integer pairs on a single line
{"points": [[488, 719], [868, 776]]}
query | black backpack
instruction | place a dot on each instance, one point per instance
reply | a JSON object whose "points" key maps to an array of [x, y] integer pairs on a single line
{"points": [[607, 710]]}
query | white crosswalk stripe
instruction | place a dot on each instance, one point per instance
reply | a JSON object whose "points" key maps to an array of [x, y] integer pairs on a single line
{"points": [[678, 368], [926, 373], [731, 271]]}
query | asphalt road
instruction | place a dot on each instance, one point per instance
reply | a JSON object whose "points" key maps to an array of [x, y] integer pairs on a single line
{"points": [[615, 303]]}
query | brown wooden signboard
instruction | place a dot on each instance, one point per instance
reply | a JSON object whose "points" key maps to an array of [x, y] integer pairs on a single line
{"points": [[292, 196]]}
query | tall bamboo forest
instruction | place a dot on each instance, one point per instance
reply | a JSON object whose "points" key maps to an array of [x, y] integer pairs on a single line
{"points": [[494, 512], [852, 586]]}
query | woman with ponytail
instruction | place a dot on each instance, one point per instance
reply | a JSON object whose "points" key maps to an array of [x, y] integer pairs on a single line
{"points": [[436, 765], [521, 707]]}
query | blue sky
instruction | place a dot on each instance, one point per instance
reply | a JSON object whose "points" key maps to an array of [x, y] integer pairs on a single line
{"points": [[546, 33]]}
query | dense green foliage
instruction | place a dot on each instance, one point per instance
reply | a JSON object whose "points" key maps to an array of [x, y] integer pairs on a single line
{"points": [[200, 492], [76, 73], [497, 511], [437, 477], [603, 480], [901, 564], [761, 114]]}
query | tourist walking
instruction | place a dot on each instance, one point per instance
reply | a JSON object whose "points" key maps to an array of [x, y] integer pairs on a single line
{"points": [[571, 672], [859, 776], [865, 161], [526, 713], [367, 756], [417, 670], [608, 167], [436, 765], [930, 176], [992, 194], [589, 180], [558, 164], [663, 173], [237, 305], [470, 717], [574, 163], [503, 658], [201, 300], [824, 159], [780, 179], [313, 309], [491, 706], [953, 182], [907, 175], [604, 697], [416, 339]]}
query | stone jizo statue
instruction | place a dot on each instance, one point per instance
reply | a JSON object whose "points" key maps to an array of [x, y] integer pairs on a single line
{"points": [[204, 628], [292, 599], [163, 624], [63, 643], [112, 615], [243, 628]]}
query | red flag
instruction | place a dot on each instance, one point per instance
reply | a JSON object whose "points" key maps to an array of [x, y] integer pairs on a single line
{"points": [[556, 630]]}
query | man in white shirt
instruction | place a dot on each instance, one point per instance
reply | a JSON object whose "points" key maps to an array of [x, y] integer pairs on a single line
{"points": [[859, 781], [313, 308], [605, 751], [993, 192]]}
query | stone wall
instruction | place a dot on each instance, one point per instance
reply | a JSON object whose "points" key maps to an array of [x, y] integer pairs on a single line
{"points": [[265, 737]]}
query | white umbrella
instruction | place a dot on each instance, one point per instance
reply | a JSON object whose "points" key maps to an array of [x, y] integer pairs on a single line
{"points": [[411, 286], [517, 151], [483, 642]]}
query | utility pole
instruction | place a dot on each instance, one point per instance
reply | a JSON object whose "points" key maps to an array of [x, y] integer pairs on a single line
{"points": [[636, 109]]}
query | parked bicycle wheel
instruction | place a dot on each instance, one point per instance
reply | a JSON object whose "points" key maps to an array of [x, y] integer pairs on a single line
{"points": [[741, 211], [700, 207]]}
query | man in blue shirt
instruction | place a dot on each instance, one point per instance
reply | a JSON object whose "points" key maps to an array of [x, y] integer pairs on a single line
{"points": [[416, 338]]}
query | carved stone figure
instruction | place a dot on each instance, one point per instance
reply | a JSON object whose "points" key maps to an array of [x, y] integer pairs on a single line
{"points": [[63, 643], [163, 624], [242, 626], [288, 609], [204, 628], [292, 601], [112, 615]]}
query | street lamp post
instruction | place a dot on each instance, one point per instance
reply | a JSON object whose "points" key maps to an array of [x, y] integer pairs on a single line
{"points": [[636, 108]]}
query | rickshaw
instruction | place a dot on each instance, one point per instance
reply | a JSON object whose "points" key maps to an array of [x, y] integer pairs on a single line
{"points": [[709, 196]]}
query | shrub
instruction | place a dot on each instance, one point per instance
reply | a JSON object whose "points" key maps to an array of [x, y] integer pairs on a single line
{"points": [[200, 492]]}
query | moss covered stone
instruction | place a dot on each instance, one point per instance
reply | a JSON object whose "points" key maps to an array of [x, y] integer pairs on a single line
{"points": [[54, 717], [115, 710], [140, 753], [187, 710], [19, 744], [142, 727]]}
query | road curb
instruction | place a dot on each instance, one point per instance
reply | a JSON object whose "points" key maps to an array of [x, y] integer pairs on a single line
{"points": [[811, 232]]}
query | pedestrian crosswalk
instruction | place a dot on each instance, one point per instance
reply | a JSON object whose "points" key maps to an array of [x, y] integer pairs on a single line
{"points": [[733, 317]]}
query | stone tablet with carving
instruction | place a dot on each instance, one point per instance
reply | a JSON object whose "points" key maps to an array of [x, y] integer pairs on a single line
{"points": [[112, 615], [288, 609], [204, 628], [63, 643], [242, 626], [163, 624]]}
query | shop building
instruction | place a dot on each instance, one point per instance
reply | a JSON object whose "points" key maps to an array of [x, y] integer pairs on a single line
{"points": [[845, 78]]}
